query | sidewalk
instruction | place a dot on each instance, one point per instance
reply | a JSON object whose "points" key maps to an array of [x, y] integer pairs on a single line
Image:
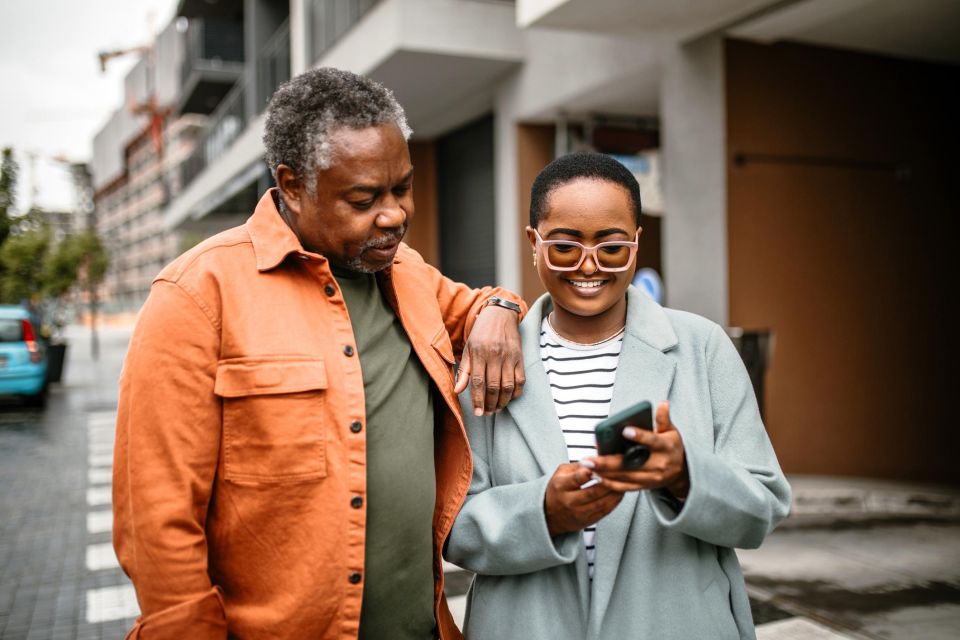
{"points": [[860, 558], [857, 559]]}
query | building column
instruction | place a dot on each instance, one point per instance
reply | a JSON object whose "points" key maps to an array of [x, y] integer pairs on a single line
{"points": [[507, 226], [694, 151], [299, 58]]}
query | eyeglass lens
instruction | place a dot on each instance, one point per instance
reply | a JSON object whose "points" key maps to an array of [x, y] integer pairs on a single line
{"points": [[565, 255]]}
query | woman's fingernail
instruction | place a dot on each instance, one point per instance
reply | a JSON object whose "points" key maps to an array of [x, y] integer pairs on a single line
{"points": [[478, 412], [629, 432], [589, 464]]}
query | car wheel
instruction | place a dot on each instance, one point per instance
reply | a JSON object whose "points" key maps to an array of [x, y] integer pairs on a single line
{"points": [[38, 400]]}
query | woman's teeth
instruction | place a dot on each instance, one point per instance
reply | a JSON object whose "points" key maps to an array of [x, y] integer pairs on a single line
{"points": [[587, 284]]}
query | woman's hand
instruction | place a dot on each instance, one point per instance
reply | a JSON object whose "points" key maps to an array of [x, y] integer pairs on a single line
{"points": [[568, 507], [665, 469]]}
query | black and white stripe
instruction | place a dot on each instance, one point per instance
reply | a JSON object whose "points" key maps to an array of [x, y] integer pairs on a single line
{"points": [[581, 381]]}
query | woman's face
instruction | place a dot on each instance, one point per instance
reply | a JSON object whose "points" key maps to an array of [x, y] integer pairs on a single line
{"points": [[588, 211]]}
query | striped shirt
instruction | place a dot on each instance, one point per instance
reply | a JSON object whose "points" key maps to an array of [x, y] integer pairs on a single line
{"points": [[581, 380]]}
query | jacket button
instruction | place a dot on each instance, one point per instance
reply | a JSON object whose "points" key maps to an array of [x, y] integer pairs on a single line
{"points": [[356, 502], [354, 578], [355, 426], [329, 290], [348, 350]]}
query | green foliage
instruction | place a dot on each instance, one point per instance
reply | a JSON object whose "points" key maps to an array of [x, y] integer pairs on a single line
{"points": [[33, 268], [79, 259], [22, 258], [8, 190]]}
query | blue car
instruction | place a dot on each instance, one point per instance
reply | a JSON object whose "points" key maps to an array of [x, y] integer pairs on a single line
{"points": [[23, 361]]}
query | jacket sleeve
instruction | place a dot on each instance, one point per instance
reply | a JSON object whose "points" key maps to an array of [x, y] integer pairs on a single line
{"points": [[738, 493], [460, 304], [502, 530], [165, 460]]}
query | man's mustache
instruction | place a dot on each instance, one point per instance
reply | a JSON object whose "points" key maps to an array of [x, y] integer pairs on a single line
{"points": [[393, 238]]}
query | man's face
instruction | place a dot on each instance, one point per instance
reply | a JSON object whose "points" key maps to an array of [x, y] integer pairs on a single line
{"points": [[363, 201]]}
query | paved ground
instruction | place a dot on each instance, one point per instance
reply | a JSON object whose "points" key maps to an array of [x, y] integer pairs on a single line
{"points": [[857, 559], [870, 559], [58, 575]]}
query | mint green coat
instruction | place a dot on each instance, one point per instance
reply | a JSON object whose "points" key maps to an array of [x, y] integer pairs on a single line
{"points": [[659, 573]]}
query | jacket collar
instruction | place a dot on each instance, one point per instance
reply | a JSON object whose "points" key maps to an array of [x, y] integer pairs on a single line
{"points": [[273, 240], [646, 322]]}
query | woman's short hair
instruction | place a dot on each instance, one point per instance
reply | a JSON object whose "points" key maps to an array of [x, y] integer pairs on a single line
{"points": [[575, 166]]}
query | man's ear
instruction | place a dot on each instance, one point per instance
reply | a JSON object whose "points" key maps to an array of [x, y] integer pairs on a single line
{"points": [[291, 188]]}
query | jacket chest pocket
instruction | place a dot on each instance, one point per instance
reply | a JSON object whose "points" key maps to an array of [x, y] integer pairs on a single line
{"points": [[273, 415]]}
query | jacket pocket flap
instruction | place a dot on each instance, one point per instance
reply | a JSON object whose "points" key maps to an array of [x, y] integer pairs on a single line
{"points": [[254, 377]]}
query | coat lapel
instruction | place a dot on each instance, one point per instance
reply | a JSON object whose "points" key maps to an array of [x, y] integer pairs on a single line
{"points": [[644, 372], [533, 411]]}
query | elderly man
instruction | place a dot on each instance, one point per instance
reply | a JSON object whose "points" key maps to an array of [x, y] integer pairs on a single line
{"points": [[289, 456]]}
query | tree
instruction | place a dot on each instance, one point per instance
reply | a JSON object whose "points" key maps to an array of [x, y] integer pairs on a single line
{"points": [[22, 257], [8, 190], [77, 259]]}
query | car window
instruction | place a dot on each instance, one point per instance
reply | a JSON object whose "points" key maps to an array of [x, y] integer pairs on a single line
{"points": [[11, 330]]}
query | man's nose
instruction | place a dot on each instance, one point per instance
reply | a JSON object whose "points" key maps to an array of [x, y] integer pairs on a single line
{"points": [[391, 215]]}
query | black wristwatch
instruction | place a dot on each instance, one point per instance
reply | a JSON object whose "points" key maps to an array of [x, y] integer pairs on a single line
{"points": [[500, 302]]}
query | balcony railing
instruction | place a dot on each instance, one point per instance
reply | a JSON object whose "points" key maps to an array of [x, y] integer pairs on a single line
{"points": [[329, 20], [212, 43], [273, 64], [225, 125], [229, 119]]}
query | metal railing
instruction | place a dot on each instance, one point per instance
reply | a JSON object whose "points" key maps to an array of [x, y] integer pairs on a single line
{"points": [[229, 119], [329, 20], [211, 44], [273, 64], [226, 123]]}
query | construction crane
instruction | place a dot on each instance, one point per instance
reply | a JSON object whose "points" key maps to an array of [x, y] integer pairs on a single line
{"points": [[149, 107], [106, 56]]}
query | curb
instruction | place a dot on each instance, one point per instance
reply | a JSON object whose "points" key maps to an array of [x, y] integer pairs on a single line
{"points": [[829, 497]]}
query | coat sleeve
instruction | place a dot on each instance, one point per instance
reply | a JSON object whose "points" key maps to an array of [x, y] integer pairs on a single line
{"points": [[502, 530], [165, 460], [460, 304], [738, 493]]}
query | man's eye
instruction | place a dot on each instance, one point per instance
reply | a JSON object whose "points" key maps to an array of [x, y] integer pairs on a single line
{"points": [[362, 204], [402, 189]]}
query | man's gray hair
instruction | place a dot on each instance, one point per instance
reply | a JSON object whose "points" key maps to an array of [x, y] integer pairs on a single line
{"points": [[307, 109]]}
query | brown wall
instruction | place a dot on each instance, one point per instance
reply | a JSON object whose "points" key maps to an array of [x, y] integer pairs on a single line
{"points": [[841, 241], [534, 152], [423, 234]]}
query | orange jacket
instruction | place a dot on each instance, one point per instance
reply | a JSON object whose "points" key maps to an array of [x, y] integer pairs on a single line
{"points": [[241, 437]]}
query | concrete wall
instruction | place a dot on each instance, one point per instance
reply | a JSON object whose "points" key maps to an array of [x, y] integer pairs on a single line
{"points": [[693, 138]]}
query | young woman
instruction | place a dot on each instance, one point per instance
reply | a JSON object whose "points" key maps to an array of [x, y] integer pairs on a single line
{"points": [[568, 544]]}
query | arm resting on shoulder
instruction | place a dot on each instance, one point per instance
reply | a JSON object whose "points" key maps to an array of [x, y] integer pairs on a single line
{"points": [[167, 447], [738, 493], [460, 305]]}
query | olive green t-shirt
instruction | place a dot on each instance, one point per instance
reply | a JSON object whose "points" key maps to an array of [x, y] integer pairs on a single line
{"points": [[401, 482]]}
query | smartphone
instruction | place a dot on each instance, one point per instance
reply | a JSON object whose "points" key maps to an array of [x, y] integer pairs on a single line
{"points": [[610, 438]]}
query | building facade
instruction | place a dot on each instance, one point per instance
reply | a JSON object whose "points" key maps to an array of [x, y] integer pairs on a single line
{"points": [[802, 146]]}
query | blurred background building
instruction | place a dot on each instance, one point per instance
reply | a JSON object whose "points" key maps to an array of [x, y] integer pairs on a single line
{"points": [[796, 158]]}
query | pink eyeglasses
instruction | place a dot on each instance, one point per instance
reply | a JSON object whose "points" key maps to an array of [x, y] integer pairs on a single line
{"points": [[568, 255]]}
